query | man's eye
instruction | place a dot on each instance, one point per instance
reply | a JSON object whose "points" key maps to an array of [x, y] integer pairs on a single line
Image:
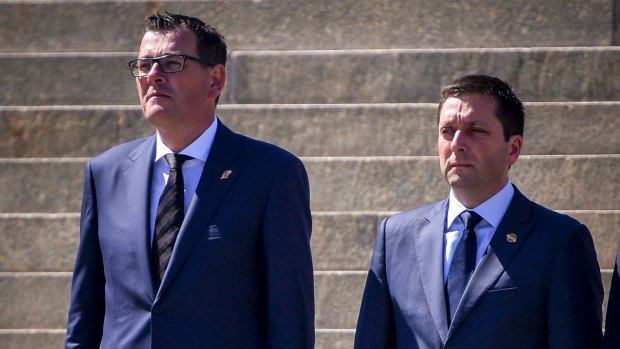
{"points": [[171, 65], [144, 66]]}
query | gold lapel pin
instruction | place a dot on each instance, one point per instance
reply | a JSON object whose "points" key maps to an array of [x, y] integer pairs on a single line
{"points": [[226, 174], [512, 238]]}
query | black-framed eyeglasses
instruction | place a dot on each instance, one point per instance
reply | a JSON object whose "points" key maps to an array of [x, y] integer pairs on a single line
{"points": [[167, 64]]}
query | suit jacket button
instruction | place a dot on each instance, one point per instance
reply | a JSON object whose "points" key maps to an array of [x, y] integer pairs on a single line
{"points": [[157, 309]]}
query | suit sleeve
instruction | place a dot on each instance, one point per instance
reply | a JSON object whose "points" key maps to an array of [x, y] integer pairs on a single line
{"points": [[86, 311], [576, 294], [612, 322], [375, 324], [288, 261]]}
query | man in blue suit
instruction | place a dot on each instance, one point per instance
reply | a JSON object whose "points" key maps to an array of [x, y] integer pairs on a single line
{"points": [[485, 268], [612, 320], [236, 270]]}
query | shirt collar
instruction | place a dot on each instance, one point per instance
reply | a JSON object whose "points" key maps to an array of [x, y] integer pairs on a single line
{"points": [[492, 210], [198, 149]]}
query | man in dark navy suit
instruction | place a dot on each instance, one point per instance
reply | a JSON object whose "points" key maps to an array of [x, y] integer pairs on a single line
{"points": [[223, 259], [485, 268]]}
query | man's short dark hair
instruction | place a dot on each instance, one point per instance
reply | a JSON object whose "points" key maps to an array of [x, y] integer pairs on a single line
{"points": [[211, 44], [510, 111]]}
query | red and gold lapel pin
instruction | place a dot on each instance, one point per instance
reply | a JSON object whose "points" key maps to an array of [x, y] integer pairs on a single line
{"points": [[512, 238], [226, 174]]}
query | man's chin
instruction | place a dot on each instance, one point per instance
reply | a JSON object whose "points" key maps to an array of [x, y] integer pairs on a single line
{"points": [[155, 112], [457, 181]]}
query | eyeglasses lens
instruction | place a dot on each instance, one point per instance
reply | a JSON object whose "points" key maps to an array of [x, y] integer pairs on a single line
{"points": [[167, 64]]}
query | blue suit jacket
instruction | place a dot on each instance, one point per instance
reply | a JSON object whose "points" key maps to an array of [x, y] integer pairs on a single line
{"points": [[541, 291], [612, 321], [240, 275]]}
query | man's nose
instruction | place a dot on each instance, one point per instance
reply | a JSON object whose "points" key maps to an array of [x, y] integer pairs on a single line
{"points": [[458, 142], [155, 74]]}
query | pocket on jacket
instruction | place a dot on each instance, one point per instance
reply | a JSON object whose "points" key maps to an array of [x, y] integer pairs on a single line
{"points": [[500, 295], [214, 232]]}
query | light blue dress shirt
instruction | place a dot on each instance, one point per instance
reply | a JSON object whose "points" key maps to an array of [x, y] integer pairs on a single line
{"points": [[192, 169], [492, 211]]}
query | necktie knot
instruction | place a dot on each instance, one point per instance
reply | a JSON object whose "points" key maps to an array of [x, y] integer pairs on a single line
{"points": [[470, 219], [175, 161]]}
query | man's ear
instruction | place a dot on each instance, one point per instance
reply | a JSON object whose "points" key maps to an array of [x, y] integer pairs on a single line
{"points": [[514, 143], [218, 80]]}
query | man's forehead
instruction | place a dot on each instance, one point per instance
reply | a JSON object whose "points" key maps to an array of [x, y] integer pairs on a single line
{"points": [[475, 108], [170, 41], [468, 103]]}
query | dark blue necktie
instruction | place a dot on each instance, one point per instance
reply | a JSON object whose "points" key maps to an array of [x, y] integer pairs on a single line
{"points": [[463, 263], [170, 213]]}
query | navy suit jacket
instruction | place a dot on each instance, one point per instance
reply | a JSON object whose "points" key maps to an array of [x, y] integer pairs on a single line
{"points": [[612, 321], [541, 291], [240, 274]]}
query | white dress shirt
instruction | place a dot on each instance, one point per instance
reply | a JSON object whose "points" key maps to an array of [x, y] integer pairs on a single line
{"points": [[492, 211], [192, 169]]}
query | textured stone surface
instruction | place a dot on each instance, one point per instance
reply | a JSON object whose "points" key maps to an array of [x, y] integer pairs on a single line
{"points": [[415, 76], [571, 128], [54, 185], [348, 184], [340, 339], [78, 79], [306, 130], [32, 339], [315, 24], [343, 241], [338, 296], [38, 243], [399, 76], [34, 300], [68, 131]]}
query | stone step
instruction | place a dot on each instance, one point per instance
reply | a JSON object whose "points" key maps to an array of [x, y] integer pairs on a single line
{"points": [[353, 76], [32, 339], [48, 242], [571, 182], [405, 76], [354, 129], [41, 300], [40, 26], [53, 339]]}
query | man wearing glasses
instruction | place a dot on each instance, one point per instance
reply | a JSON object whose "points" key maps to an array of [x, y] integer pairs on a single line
{"points": [[195, 237]]}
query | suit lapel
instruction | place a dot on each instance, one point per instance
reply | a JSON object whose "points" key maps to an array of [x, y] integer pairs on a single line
{"points": [[428, 234], [219, 174], [137, 178], [498, 256]]}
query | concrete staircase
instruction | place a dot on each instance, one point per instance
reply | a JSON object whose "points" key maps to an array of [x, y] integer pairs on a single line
{"points": [[350, 86]]}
